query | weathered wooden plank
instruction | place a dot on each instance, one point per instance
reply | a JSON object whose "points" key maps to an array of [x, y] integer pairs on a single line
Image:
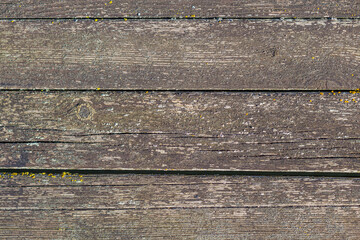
{"points": [[240, 54], [178, 9], [234, 223], [180, 130], [179, 207]]}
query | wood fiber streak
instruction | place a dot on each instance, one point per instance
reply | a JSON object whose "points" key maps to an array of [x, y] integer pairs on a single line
{"points": [[178, 9], [182, 131], [179, 207], [201, 54]]}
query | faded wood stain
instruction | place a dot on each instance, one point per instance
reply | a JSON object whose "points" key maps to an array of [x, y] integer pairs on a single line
{"points": [[85, 100], [203, 54]]}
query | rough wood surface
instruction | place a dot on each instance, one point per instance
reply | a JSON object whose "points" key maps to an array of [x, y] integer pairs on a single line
{"points": [[201, 54], [141, 130], [165, 8], [179, 207], [180, 130]]}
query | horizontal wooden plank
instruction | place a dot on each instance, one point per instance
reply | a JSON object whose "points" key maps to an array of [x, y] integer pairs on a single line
{"points": [[178, 207], [178, 9], [250, 223], [180, 130], [201, 54]]}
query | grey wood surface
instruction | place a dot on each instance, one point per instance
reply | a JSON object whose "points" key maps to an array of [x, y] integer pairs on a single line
{"points": [[178, 9], [180, 54], [254, 131], [71, 51], [178, 207]]}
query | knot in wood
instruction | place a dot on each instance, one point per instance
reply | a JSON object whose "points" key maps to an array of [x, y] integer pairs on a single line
{"points": [[85, 111]]}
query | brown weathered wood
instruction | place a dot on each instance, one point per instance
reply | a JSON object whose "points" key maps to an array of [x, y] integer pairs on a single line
{"points": [[250, 223], [239, 54], [179, 207], [183, 131], [178, 9]]}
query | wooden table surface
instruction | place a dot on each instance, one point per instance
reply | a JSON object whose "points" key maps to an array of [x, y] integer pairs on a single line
{"points": [[180, 119]]}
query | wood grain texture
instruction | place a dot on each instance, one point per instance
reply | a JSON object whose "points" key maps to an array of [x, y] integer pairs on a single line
{"points": [[178, 9], [179, 207], [180, 130], [201, 54]]}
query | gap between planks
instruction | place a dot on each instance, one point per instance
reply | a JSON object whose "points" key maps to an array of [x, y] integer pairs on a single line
{"points": [[174, 91], [200, 172], [182, 19]]}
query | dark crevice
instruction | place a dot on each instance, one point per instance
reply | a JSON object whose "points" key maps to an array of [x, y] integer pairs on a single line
{"points": [[184, 208], [179, 18], [121, 133], [149, 91], [34, 129], [53, 142], [315, 158], [116, 185], [331, 139], [187, 172]]}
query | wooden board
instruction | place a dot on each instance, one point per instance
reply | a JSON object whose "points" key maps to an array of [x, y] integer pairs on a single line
{"points": [[178, 9], [178, 207], [74, 58], [201, 54], [116, 130]]}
